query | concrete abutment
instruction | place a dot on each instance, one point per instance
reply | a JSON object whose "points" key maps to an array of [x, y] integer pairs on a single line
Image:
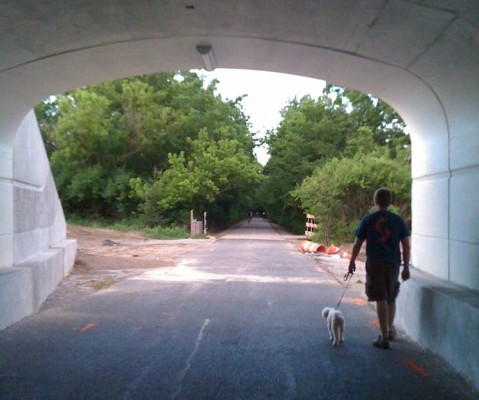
{"points": [[36, 255]]}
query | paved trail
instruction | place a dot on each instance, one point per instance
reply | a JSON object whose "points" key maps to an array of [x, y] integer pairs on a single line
{"points": [[238, 319]]}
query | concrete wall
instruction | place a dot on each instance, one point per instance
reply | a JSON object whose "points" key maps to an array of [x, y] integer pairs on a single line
{"points": [[38, 254], [446, 160], [444, 318], [439, 306]]}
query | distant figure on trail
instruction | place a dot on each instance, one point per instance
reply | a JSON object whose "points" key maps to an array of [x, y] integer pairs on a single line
{"points": [[264, 214], [250, 215], [384, 233]]}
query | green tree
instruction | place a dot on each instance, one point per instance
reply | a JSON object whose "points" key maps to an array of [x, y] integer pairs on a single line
{"points": [[308, 135], [360, 142], [82, 158], [341, 123], [47, 117], [198, 181], [109, 141], [386, 126]]}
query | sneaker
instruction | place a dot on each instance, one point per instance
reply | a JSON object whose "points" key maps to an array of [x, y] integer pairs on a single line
{"points": [[392, 335], [381, 343]]}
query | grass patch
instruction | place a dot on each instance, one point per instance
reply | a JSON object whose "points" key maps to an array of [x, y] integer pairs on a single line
{"points": [[167, 232], [157, 232]]}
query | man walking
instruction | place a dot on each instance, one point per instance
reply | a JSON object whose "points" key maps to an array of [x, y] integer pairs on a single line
{"points": [[383, 231]]}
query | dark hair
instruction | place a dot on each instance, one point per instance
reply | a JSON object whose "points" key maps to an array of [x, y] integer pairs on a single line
{"points": [[382, 197]]}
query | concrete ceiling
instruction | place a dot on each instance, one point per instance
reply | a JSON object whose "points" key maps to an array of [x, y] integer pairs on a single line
{"points": [[394, 32], [413, 54]]}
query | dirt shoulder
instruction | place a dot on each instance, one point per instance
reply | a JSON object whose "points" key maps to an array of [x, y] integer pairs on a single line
{"points": [[106, 249], [107, 256]]}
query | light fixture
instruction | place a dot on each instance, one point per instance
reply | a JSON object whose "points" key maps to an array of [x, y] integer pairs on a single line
{"points": [[207, 57]]}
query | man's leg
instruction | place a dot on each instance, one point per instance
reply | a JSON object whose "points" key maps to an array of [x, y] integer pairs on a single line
{"points": [[391, 315], [376, 288], [393, 293], [382, 310]]}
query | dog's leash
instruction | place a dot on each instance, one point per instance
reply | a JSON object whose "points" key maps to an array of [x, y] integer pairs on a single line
{"points": [[347, 278]]}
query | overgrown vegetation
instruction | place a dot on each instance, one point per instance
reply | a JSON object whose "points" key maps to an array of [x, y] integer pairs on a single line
{"points": [[127, 225], [327, 158], [140, 153], [150, 148]]}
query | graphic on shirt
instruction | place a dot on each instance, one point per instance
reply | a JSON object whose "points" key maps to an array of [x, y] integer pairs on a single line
{"points": [[382, 231]]}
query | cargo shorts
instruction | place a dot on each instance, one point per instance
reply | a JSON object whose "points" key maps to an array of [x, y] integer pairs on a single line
{"points": [[382, 282]]}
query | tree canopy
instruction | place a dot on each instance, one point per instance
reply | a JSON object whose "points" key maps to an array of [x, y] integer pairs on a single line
{"points": [[329, 155], [156, 146], [114, 145]]}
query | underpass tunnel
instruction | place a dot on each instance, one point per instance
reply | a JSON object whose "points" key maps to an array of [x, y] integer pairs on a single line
{"points": [[422, 59]]}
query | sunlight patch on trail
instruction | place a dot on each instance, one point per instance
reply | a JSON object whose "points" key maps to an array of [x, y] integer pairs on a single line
{"points": [[184, 272]]}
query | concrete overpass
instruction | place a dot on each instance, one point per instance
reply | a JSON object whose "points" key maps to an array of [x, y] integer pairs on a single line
{"points": [[421, 56]]}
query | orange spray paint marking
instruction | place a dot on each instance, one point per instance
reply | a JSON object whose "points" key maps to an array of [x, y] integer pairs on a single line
{"points": [[375, 323], [356, 301], [87, 327], [416, 368]]}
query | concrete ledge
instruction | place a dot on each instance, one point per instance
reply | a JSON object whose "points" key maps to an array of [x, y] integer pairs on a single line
{"points": [[16, 295], [25, 287], [69, 248], [443, 318], [47, 272]]}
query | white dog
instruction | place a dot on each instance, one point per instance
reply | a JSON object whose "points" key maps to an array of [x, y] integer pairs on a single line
{"points": [[335, 321]]}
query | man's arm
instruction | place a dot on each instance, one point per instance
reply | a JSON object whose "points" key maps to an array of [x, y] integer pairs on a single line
{"points": [[406, 256], [354, 254]]}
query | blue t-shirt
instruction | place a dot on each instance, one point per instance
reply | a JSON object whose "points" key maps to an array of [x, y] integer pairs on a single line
{"points": [[383, 232]]}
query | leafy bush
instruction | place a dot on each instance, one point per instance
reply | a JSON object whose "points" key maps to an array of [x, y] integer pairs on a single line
{"points": [[169, 232], [340, 192]]}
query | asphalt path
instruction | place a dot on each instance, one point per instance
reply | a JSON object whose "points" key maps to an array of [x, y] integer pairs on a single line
{"points": [[238, 319]]}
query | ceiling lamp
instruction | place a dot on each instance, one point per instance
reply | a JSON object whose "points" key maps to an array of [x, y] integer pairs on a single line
{"points": [[207, 57]]}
